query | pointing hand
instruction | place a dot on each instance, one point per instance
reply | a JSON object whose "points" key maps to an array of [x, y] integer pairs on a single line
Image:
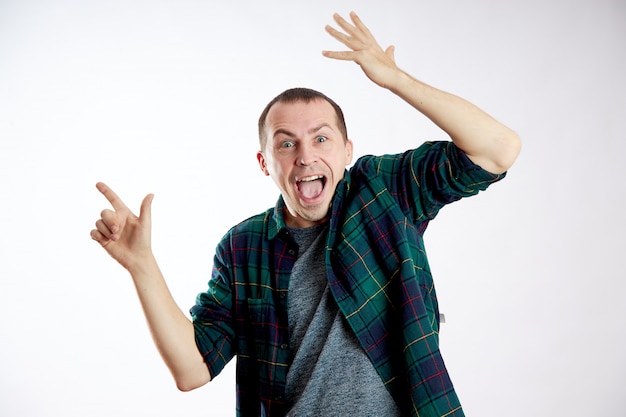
{"points": [[126, 237]]}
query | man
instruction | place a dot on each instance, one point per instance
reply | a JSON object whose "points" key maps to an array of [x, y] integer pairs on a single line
{"points": [[327, 299]]}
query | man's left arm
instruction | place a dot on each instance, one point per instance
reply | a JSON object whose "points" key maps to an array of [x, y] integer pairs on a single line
{"points": [[487, 142]]}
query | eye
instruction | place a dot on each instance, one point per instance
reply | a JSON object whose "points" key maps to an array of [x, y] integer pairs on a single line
{"points": [[321, 139], [287, 144]]}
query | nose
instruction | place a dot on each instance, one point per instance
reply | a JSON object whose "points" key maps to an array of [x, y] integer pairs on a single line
{"points": [[307, 155]]}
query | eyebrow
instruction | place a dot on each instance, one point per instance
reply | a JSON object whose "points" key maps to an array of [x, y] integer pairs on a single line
{"points": [[312, 130]]}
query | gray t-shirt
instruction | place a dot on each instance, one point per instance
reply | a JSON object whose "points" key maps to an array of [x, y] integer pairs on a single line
{"points": [[330, 374]]}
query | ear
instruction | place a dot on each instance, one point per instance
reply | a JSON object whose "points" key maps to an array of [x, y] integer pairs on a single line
{"points": [[349, 149], [262, 162]]}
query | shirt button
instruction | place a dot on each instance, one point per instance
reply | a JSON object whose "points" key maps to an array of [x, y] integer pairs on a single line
{"points": [[292, 252], [284, 346]]}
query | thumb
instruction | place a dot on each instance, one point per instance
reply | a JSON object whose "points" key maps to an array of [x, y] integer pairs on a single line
{"points": [[390, 52], [145, 212]]}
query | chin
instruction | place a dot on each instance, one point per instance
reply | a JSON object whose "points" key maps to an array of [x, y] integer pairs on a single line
{"points": [[308, 218]]}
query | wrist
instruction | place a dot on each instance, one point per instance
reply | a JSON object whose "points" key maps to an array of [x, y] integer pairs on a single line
{"points": [[401, 83], [142, 266]]}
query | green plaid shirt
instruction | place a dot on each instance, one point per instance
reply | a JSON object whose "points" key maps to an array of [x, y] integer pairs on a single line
{"points": [[378, 273]]}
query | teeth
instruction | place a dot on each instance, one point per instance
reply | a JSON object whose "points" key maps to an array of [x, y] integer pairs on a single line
{"points": [[311, 178]]}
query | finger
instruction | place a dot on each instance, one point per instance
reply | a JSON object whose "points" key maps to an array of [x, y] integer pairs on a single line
{"points": [[357, 29], [110, 220], [145, 212], [342, 56], [358, 23], [341, 37], [113, 198], [99, 237], [105, 231], [348, 41], [344, 24]]}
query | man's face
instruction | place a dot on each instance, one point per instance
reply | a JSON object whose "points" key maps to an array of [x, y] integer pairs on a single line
{"points": [[306, 156]]}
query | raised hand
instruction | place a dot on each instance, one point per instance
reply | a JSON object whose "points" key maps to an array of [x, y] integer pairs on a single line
{"points": [[126, 237], [379, 65]]}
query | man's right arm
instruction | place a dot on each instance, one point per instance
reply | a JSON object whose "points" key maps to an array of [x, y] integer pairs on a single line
{"points": [[127, 238], [484, 140]]}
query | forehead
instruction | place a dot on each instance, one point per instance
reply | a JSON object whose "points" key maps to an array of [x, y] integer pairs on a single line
{"points": [[300, 115]]}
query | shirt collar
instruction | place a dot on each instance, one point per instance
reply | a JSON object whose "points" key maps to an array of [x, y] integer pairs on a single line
{"points": [[276, 223]]}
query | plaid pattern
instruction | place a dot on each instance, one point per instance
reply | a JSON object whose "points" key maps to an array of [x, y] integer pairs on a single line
{"points": [[378, 274]]}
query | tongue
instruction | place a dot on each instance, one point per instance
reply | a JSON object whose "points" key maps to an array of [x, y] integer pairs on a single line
{"points": [[311, 189]]}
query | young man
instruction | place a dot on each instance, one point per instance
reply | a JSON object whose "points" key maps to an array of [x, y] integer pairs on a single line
{"points": [[327, 299]]}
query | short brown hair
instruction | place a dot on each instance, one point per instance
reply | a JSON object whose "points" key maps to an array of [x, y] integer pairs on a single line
{"points": [[300, 94]]}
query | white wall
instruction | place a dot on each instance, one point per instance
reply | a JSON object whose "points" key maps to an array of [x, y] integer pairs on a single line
{"points": [[163, 96]]}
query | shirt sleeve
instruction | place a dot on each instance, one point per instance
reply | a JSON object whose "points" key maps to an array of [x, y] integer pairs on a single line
{"points": [[425, 179], [212, 318]]}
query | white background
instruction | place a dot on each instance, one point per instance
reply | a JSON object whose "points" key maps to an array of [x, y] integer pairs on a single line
{"points": [[164, 96]]}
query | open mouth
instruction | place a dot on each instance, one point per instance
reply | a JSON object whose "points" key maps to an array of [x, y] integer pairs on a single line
{"points": [[311, 187]]}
